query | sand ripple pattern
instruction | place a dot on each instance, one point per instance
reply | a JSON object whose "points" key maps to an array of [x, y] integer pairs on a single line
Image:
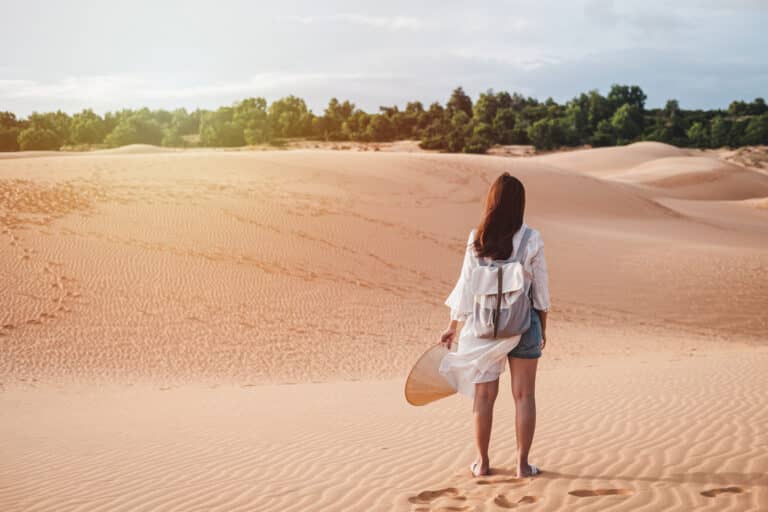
{"points": [[296, 266], [669, 435]]}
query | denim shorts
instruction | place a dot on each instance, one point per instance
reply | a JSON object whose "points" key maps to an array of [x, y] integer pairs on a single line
{"points": [[530, 342]]}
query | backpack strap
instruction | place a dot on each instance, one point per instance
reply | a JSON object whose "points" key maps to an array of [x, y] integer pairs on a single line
{"points": [[523, 248], [520, 256], [500, 273]]}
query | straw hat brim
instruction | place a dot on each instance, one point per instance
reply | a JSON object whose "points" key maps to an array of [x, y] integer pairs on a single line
{"points": [[425, 384]]}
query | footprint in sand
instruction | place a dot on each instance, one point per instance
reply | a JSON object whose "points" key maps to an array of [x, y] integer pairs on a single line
{"points": [[504, 502], [587, 493], [425, 497], [711, 493]]}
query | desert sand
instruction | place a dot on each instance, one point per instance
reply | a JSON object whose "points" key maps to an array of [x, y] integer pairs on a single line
{"points": [[230, 330]]}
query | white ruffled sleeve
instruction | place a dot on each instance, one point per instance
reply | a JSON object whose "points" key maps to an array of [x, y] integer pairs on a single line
{"points": [[540, 281], [461, 300]]}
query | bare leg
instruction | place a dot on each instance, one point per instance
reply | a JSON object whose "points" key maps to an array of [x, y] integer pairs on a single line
{"points": [[485, 397], [524, 391]]}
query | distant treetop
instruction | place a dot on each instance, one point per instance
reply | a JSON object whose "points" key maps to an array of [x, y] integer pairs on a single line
{"points": [[460, 125]]}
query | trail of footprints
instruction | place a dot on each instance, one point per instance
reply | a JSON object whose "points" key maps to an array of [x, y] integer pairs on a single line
{"points": [[58, 283], [451, 498]]}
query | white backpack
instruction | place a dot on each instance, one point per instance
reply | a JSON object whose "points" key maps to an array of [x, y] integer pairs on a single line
{"points": [[502, 308]]}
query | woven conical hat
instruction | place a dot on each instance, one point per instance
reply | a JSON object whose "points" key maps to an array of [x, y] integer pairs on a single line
{"points": [[424, 383]]}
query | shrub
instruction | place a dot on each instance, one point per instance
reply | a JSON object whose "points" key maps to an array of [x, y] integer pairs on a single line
{"points": [[138, 128], [34, 138], [546, 134], [9, 139]]}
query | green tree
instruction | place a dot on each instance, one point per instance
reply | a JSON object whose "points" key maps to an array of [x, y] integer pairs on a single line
{"points": [[434, 136], [605, 135], [698, 135], [738, 108], [47, 130], [504, 126], [354, 128], [434, 114], [331, 123], [460, 132], [598, 109], [36, 138], [137, 128], [459, 102], [576, 121], [252, 118], [624, 123], [720, 130], [481, 139], [10, 127], [671, 125], [546, 134], [185, 123], [486, 107], [757, 107], [736, 136], [380, 129], [172, 137], [87, 127], [627, 95], [289, 117], [219, 129], [756, 131], [409, 123]]}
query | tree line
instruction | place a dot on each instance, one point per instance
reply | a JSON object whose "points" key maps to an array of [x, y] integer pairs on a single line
{"points": [[459, 125]]}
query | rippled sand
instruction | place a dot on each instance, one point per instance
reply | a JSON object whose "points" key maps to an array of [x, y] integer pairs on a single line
{"points": [[216, 330]]}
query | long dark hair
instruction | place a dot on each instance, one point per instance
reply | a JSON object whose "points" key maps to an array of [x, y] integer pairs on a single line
{"points": [[503, 216]]}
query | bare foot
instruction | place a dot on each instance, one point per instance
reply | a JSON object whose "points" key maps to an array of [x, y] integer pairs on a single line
{"points": [[527, 470]]}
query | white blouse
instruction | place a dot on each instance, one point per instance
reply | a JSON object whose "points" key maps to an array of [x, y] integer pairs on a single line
{"points": [[477, 360], [461, 300]]}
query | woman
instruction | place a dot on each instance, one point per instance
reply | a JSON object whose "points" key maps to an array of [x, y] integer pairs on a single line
{"points": [[474, 368]]}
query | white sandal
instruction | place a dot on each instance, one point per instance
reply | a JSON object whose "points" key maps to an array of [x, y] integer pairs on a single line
{"points": [[472, 470]]}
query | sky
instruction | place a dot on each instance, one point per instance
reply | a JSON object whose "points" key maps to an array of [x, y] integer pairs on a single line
{"points": [[109, 55]]}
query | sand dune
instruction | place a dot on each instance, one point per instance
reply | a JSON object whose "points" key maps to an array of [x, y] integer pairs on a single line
{"points": [[149, 254], [698, 178], [609, 161], [157, 305], [669, 433], [136, 149]]}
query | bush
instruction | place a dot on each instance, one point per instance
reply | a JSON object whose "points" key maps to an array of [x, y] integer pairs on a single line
{"points": [[481, 139], [625, 125], [380, 129], [87, 127], [546, 134], [720, 130], [172, 138], [698, 135], [9, 139], [138, 128], [34, 138], [289, 117], [757, 131]]}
